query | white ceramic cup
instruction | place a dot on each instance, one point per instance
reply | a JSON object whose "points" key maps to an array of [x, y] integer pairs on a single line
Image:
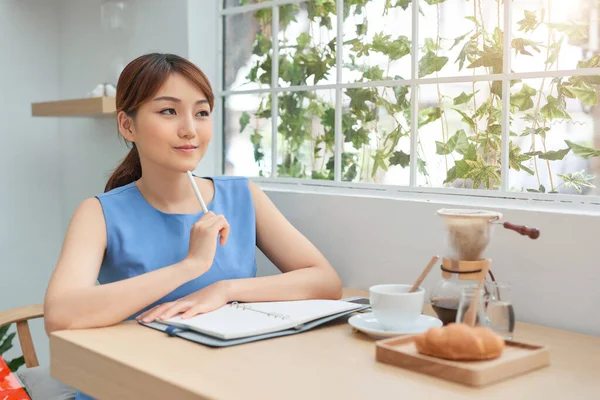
{"points": [[394, 307]]}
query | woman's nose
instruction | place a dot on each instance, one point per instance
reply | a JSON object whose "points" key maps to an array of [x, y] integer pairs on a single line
{"points": [[187, 128]]}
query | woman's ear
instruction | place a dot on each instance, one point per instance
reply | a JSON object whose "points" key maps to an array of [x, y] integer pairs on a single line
{"points": [[125, 123]]}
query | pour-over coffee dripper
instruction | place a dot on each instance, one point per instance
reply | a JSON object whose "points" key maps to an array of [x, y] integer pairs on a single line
{"points": [[468, 235], [469, 232]]}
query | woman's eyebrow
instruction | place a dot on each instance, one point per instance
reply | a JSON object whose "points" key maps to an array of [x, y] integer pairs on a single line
{"points": [[176, 100]]}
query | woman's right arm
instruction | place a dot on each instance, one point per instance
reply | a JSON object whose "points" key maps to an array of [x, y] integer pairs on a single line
{"points": [[73, 300]]}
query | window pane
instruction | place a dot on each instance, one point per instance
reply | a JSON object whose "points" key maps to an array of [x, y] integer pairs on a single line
{"points": [[460, 37], [305, 134], [460, 135], [247, 50], [236, 3], [376, 129], [307, 43], [248, 128], [556, 142], [377, 40], [554, 34]]}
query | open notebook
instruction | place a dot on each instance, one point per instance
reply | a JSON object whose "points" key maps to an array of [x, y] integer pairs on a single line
{"points": [[241, 320]]}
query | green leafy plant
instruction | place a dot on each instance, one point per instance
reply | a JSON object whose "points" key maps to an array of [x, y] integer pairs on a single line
{"points": [[6, 340], [470, 122]]}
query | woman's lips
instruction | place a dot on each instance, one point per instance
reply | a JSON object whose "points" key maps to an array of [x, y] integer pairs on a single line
{"points": [[186, 149]]}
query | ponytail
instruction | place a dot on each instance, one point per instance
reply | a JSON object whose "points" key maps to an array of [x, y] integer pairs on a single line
{"points": [[130, 170]]}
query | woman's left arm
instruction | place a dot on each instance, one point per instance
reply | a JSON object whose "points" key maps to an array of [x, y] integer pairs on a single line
{"points": [[306, 272]]}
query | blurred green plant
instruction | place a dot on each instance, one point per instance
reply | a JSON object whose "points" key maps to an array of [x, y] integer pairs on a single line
{"points": [[6, 340], [475, 147]]}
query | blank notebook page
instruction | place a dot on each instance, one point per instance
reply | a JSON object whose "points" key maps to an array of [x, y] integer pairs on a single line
{"points": [[231, 321], [302, 311]]}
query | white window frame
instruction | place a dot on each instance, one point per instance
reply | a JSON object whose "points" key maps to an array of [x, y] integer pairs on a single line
{"points": [[571, 202]]}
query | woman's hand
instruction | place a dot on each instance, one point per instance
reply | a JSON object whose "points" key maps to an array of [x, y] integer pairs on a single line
{"points": [[203, 241], [204, 300]]}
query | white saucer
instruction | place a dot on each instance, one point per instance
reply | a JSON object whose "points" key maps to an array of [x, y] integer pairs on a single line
{"points": [[367, 323]]}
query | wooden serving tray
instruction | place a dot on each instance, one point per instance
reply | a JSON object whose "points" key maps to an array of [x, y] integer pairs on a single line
{"points": [[517, 359]]}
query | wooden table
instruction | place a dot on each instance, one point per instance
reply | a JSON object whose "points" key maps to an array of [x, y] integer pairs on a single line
{"points": [[129, 361]]}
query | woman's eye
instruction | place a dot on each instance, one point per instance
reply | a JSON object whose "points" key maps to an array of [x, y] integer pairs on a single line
{"points": [[203, 113], [168, 111]]}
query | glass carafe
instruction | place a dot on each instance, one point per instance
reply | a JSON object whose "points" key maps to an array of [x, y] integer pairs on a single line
{"points": [[467, 298], [456, 276]]}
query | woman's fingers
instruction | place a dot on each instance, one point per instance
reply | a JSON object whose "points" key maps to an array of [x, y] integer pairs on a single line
{"points": [[178, 307], [222, 226], [224, 232], [153, 313], [195, 310]]}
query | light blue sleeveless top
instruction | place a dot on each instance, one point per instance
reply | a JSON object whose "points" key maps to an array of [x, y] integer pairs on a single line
{"points": [[141, 238]]}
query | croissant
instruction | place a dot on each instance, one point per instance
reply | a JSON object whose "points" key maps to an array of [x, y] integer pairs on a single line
{"points": [[460, 342]]}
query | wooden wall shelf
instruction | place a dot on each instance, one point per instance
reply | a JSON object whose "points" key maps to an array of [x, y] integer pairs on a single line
{"points": [[93, 106]]}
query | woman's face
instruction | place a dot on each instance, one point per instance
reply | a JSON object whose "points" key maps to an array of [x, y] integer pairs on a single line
{"points": [[173, 129]]}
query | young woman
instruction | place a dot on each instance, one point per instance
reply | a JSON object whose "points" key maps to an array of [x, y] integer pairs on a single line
{"points": [[146, 240]]}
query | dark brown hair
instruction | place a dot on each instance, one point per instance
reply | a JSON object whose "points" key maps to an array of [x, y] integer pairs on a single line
{"points": [[139, 81]]}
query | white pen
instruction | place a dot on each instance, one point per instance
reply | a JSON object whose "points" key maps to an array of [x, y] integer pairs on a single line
{"points": [[198, 195]]}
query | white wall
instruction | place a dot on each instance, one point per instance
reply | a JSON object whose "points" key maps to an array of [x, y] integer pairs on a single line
{"points": [[202, 49], [30, 196], [382, 240], [91, 147]]}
